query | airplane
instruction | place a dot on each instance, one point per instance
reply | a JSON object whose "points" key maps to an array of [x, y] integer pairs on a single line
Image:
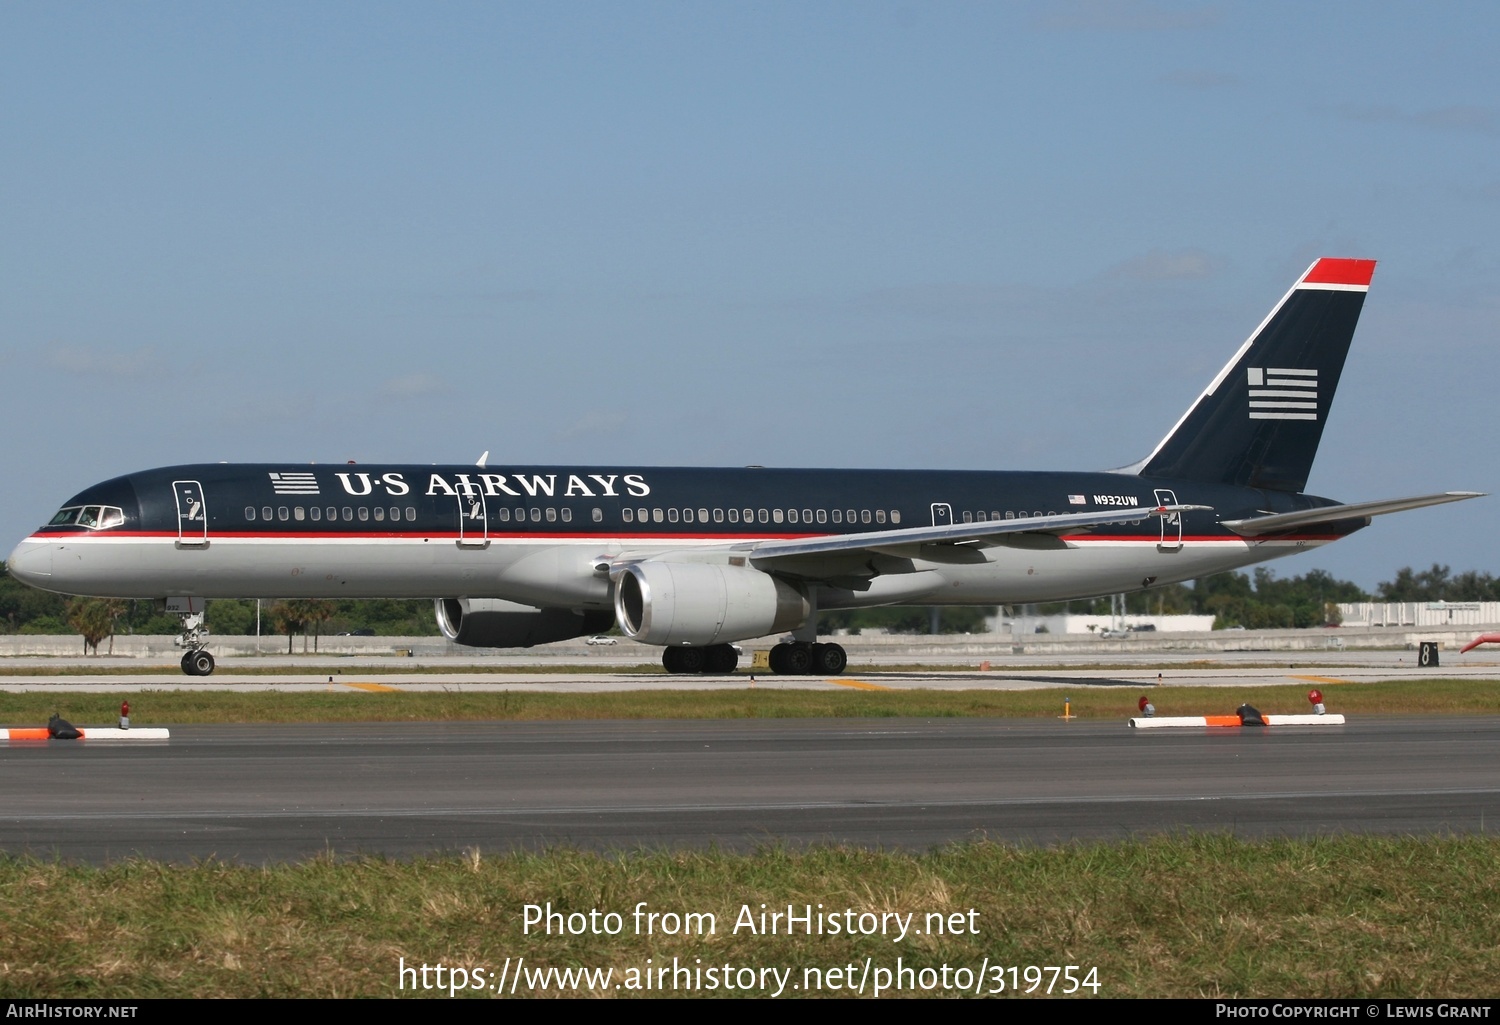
{"points": [[693, 559]]}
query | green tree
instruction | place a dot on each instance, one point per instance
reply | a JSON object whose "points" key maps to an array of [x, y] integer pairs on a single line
{"points": [[94, 618]]}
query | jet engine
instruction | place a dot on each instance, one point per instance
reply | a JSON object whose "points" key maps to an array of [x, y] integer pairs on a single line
{"points": [[492, 623], [701, 604]]}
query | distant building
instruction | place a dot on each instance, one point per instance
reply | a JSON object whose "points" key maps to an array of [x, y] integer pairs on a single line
{"points": [[1420, 613], [1097, 625]]}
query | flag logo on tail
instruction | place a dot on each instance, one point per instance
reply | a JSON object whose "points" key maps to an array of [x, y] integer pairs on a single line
{"points": [[1281, 393]]}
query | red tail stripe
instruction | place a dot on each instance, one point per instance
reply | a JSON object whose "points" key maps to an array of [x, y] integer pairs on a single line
{"points": [[1334, 271]]}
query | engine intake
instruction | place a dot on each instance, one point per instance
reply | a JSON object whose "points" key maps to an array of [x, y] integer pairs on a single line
{"points": [[701, 604], [493, 623]]}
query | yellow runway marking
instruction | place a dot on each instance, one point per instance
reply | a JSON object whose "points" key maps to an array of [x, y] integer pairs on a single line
{"points": [[859, 685], [374, 688], [1321, 679]]}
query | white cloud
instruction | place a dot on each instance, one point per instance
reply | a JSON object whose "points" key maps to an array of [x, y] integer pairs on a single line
{"points": [[98, 360], [1457, 117], [601, 422], [1127, 16], [1200, 80], [413, 385], [1165, 265]]}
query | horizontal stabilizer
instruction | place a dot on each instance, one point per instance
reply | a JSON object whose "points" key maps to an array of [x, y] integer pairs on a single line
{"points": [[1256, 526]]}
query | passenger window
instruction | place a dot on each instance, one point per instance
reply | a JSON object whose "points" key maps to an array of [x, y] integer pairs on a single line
{"points": [[379, 514], [838, 516], [567, 515], [968, 516], [299, 514], [348, 514], [395, 513], [734, 516], [598, 515], [657, 515], [249, 513], [364, 513], [750, 515], [333, 514], [718, 515], [283, 513], [266, 513], [671, 515], [411, 514], [822, 515], [627, 515], [979, 516], [1009, 515], [895, 515], [791, 515], [316, 512], [806, 515], [776, 516], [502, 514], [764, 516], [879, 515], [536, 515], [851, 516], [551, 514], [702, 515]]}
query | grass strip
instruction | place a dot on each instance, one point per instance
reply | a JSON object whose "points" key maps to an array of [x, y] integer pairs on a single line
{"points": [[1188, 916], [348, 704]]}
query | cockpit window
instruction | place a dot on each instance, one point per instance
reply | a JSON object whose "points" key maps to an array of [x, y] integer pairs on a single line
{"points": [[95, 517]]}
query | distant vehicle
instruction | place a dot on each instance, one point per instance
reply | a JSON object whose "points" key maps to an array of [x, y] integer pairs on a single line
{"points": [[1145, 628], [601, 639], [1114, 635]]}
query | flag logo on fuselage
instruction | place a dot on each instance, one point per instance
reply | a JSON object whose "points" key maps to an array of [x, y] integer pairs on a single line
{"points": [[294, 483], [1281, 393]]}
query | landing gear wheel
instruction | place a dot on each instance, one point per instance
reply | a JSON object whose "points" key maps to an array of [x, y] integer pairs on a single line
{"points": [[778, 659], [198, 663], [671, 660], [691, 660], [829, 659], [720, 659], [795, 660]]}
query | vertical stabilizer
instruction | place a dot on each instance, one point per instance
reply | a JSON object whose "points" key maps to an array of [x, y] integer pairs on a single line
{"points": [[1259, 422]]}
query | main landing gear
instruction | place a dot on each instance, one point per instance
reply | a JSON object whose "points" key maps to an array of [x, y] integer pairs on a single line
{"points": [[797, 659], [719, 659], [196, 661], [808, 659]]}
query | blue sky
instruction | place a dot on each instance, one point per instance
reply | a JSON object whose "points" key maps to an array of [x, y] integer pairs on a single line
{"points": [[1006, 236]]}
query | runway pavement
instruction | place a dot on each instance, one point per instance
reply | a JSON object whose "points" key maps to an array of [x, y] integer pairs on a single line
{"points": [[610, 673], [258, 793]]}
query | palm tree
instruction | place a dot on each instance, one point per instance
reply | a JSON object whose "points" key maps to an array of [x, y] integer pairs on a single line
{"points": [[94, 618]]}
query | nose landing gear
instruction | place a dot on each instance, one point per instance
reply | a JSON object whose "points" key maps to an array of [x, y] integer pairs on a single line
{"points": [[195, 661]]}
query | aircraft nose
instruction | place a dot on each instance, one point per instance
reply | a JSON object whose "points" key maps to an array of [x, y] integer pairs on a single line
{"points": [[31, 563]]}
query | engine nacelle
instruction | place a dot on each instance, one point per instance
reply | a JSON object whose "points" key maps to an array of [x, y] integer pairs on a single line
{"points": [[701, 604], [492, 623]]}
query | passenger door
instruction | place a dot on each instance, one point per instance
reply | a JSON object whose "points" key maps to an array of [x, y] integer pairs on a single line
{"points": [[192, 514]]}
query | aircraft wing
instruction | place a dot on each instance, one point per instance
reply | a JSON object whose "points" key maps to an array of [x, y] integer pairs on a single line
{"points": [[1256, 526], [907, 541]]}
